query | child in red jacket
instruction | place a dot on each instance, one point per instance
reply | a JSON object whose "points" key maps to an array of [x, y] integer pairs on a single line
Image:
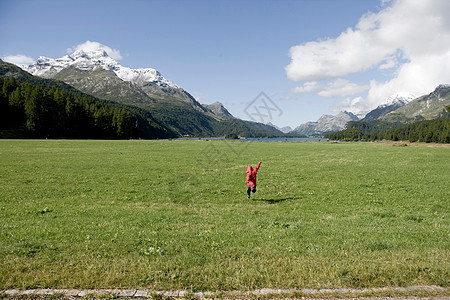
{"points": [[251, 179]]}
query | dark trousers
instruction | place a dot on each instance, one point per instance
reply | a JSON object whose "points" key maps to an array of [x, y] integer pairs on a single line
{"points": [[251, 189]]}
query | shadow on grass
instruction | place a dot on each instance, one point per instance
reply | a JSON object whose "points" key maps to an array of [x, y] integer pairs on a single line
{"points": [[273, 201]]}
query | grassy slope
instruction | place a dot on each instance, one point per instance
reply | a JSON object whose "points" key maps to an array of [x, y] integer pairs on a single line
{"points": [[174, 214], [428, 107], [174, 108]]}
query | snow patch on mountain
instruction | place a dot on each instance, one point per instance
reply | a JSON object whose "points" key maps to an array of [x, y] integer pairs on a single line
{"points": [[399, 98], [88, 60]]}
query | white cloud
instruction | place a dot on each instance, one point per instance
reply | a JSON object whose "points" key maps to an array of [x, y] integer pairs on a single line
{"points": [[310, 86], [340, 88], [385, 2], [354, 105], [351, 52], [18, 59], [418, 77], [337, 88], [409, 37], [93, 46], [391, 61]]}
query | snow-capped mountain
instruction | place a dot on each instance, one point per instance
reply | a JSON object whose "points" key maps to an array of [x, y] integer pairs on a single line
{"points": [[88, 60], [400, 99], [390, 104], [92, 69], [155, 111], [428, 106]]}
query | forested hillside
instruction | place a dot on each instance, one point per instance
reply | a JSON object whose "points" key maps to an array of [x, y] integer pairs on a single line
{"points": [[28, 110], [427, 131], [57, 110]]}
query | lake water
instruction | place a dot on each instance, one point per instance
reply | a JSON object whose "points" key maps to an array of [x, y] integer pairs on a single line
{"points": [[285, 140], [265, 139]]}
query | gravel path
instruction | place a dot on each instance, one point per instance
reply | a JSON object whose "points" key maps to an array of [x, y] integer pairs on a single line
{"points": [[269, 293]]}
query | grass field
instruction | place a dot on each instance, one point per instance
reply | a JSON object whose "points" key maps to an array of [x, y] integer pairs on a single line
{"points": [[174, 215]]}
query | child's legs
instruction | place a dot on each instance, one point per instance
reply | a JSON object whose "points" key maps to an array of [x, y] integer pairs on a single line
{"points": [[251, 189]]}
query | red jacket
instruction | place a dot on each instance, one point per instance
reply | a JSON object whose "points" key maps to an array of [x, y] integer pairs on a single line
{"points": [[251, 175]]}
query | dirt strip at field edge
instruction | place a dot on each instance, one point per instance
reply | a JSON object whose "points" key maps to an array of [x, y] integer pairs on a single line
{"points": [[439, 293]]}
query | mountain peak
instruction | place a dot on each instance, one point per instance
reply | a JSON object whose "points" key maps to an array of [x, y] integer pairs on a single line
{"points": [[91, 56], [352, 116], [443, 86], [284, 129], [442, 90], [398, 98], [389, 105], [218, 109], [326, 123], [427, 106]]}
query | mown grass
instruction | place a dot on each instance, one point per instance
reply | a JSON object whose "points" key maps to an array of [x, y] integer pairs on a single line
{"points": [[170, 215]]}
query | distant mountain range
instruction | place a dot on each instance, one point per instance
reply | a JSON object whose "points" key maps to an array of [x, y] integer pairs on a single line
{"points": [[97, 74], [285, 129], [395, 111], [326, 123], [427, 106], [176, 111], [424, 119], [392, 103]]}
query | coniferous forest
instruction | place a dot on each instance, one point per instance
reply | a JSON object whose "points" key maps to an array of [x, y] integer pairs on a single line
{"points": [[39, 111], [426, 131], [32, 107], [35, 107]]}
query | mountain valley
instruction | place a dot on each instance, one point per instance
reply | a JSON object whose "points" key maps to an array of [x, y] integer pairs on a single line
{"points": [[95, 73]]}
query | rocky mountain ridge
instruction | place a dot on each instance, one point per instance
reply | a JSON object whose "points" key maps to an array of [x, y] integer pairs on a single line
{"points": [[95, 73], [397, 110], [428, 106], [390, 104], [89, 60], [218, 109], [326, 123], [285, 129]]}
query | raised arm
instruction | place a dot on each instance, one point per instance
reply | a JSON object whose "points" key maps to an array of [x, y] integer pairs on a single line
{"points": [[257, 167]]}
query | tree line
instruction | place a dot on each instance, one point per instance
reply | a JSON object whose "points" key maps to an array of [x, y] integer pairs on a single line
{"points": [[48, 112], [378, 125], [427, 131]]}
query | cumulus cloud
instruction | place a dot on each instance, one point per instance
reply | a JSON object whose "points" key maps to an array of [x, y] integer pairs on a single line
{"points": [[340, 88], [18, 59], [410, 38], [337, 88], [93, 46], [310, 86], [351, 52], [354, 105]]}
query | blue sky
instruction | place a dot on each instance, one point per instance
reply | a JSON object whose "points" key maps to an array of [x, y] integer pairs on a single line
{"points": [[311, 57]]}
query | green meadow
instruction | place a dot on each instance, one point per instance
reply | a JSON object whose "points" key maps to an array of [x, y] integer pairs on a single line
{"points": [[170, 215]]}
